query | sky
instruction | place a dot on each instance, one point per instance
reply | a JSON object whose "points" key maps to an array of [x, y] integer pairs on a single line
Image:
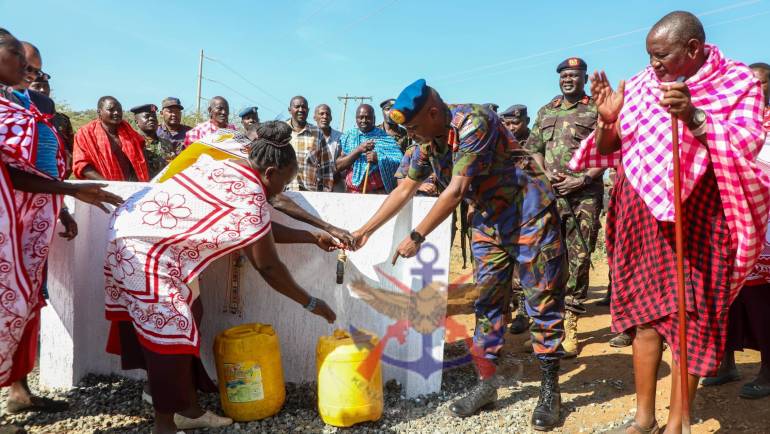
{"points": [[264, 52]]}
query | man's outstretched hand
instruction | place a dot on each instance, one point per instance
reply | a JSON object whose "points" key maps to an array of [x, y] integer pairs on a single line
{"points": [[327, 242], [96, 195], [345, 237]]}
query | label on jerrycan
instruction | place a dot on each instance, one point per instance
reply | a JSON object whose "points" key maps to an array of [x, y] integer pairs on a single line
{"points": [[243, 382]]}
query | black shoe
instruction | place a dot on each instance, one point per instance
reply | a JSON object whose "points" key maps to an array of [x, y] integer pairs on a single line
{"points": [[519, 325], [547, 412], [483, 395]]}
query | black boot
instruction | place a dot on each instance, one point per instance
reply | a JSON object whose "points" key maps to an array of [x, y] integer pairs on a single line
{"points": [[482, 395], [546, 414], [520, 324]]}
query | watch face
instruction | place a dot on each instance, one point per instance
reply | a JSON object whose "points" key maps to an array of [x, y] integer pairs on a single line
{"points": [[700, 116]]}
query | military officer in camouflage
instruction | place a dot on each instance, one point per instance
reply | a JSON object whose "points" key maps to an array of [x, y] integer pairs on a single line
{"points": [[158, 152], [515, 221], [516, 120], [556, 134]]}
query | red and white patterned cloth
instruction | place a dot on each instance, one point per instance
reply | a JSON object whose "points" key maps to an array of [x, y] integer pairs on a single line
{"points": [[760, 275], [27, 223], [161, 239], [202, 130], [732, 99]]}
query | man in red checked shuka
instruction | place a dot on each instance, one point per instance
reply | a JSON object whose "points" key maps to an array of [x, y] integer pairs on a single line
{"points": [[725, 201]]}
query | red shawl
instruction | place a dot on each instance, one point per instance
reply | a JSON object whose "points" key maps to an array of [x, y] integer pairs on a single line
{"points": [[92, 148]]}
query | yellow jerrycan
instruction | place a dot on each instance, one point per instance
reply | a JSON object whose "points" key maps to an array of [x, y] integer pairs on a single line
{"points": [[248, 359], [349, 383]]}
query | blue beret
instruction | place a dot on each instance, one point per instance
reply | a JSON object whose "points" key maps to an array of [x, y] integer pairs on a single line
{"points": [[515, 111], [409, 102], [572, 63], [144, 108], [248, 110]]}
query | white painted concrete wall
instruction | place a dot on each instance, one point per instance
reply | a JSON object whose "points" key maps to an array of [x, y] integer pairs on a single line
{"points": [[74, 331]]}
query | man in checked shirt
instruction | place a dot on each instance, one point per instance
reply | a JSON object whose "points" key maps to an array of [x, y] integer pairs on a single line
{"points": [[316, 165]]}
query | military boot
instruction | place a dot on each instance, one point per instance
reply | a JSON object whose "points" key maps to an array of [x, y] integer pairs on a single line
{"points": [[482, 395], [547, 412], [570, 343], [520, 324]]}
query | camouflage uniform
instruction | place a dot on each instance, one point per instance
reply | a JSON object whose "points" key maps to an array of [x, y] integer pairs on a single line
{"points": [[559, 127], [158, 153], [514, 222]]}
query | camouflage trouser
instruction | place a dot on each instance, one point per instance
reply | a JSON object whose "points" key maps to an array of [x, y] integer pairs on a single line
{"points": [[587, 210], [537, 248]]}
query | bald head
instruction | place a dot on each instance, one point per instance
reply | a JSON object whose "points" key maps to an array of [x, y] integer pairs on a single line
{"points": [[365, 118], [676, 45], [219, 111], [680, 25]]}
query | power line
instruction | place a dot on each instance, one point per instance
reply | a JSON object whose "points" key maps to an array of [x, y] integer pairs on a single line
{"points": [[242, 77], [600, 50], [583, 44], [366, 17], [238, 93]]}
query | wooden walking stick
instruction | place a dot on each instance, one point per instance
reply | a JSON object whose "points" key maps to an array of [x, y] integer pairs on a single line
{"points": [[682, 305], [366, 176]]}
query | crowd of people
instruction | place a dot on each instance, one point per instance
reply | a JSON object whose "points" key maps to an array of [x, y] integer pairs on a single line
{"points": [[533, 198]]}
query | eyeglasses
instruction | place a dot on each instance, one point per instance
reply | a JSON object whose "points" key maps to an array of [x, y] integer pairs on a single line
{"points": [[39, 74]]}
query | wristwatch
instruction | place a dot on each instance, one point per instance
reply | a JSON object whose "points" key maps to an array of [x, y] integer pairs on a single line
{"points": [[416, 237], [697, 124], [311, 305]]}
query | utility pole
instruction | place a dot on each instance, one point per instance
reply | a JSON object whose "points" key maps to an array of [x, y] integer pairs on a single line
{"points": [[200, 81], [345, 100]]}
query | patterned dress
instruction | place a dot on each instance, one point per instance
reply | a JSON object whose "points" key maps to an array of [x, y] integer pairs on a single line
{"points": [[162, 238]]}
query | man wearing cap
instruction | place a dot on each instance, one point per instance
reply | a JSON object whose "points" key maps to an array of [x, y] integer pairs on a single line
{"points": [[219, 117], [559, 127], [393, 129], [158, 152], [249, 117], [516, 120], [515, 221], [172, 128]]}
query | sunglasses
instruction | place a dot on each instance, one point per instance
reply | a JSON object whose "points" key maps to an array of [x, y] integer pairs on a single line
{"points": [[39, 74]]}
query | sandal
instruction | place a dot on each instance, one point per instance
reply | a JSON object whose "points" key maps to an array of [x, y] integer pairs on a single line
{"points": [[654, 429], [37, 403]]}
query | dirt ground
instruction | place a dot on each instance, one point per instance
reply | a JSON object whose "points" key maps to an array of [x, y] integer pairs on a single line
{"points": [[598, 384]]}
